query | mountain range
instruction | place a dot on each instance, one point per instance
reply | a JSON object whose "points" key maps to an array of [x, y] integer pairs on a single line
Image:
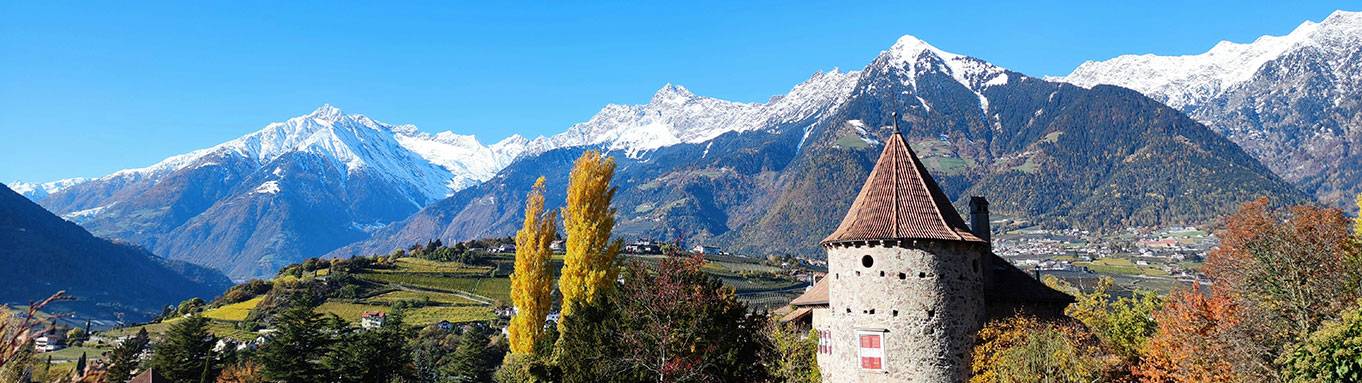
{"points": [[1293, 101], [294, 189], [769, 177], [43, 254], [1053, 153]]}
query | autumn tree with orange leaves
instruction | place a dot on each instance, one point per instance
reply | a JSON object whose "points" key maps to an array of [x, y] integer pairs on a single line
{"points": [[1278, 275], [1192, 342]]}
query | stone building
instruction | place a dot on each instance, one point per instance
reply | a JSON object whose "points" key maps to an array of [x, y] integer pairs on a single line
{"points": [[909, 284]]}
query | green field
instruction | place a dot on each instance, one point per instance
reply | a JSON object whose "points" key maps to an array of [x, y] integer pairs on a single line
{"points": [[852, 140], [235, 312], [423, 316], [492, 288], [402, 295], [417, 265], [458, 314], [1122, 266]]}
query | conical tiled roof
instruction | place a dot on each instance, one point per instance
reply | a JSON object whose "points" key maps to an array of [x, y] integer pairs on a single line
{"points": [[901, 201]]}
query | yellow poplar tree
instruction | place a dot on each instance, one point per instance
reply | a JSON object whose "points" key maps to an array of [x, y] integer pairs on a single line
{"points": [[1357, 229], [589, 268], [532, 281]]}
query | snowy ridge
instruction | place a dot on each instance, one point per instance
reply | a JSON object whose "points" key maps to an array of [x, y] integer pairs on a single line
{"points": [[39, 191], [914, 57], [674, 115], [436, 165], [1190, 80]]}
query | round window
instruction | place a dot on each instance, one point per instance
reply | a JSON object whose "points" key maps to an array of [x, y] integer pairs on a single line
{"points": [[867, 261]]}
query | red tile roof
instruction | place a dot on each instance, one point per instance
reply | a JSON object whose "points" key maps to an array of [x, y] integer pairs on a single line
{"points": [[900, 200]]}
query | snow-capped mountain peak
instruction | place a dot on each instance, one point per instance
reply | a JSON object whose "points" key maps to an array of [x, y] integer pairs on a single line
{"points": [[1187, 81], [326, 112], [675, 115], [909, 48], [916, 57], [672, 94]]}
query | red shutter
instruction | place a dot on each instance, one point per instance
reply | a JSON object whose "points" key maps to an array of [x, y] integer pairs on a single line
{"points": [[871, 351]]}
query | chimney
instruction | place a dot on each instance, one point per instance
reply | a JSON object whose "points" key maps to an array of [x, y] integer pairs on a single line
{"points": [[978, 219]]}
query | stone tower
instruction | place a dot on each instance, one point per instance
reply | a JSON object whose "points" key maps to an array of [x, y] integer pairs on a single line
{"points": [[905, 281]]}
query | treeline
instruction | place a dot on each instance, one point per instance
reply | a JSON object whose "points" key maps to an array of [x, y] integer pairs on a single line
{"points": [[309, 347]]}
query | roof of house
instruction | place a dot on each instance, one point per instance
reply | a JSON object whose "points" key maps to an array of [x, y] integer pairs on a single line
{"points": [[149, 376], [814, 296], [900, 200], [797, 314], [1009, 284], [373, 314]]}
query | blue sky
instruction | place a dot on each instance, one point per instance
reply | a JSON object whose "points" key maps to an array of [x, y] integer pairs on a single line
{"points": [[87, 88]]}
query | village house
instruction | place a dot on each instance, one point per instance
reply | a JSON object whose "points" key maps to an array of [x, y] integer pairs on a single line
{"points": [[643, 246], [372, 319], [49, 341], [909, 284], [706, 250]]}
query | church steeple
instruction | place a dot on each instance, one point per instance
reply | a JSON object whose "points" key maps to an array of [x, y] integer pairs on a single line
{"points": [[900, 200]]}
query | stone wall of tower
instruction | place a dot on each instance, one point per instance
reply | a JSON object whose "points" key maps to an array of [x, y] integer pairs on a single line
{"points": [[924, 297]]}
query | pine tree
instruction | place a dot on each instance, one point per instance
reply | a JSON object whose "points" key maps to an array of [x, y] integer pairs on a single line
{"points": [[532, 282], [589, 267], [476, 357], [123, 360], [180, 357], [293, 354]]}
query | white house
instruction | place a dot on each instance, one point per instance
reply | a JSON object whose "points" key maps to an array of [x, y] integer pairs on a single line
{"points": [[372, 319], [49, 342]]}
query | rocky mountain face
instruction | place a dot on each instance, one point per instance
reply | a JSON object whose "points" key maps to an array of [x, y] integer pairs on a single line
{"points": [[43, 254], [776, 182], [292, 190], [1294, 101]]}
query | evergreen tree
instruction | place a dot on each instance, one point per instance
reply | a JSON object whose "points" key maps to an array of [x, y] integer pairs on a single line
{"points": [[186, 349], [377, 355], [589, 267], [80, 366], [476, 357], [293, 354], [532, 282]]}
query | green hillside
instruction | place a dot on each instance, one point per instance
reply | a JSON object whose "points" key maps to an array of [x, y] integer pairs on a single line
{"points": [[430, 285]]}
